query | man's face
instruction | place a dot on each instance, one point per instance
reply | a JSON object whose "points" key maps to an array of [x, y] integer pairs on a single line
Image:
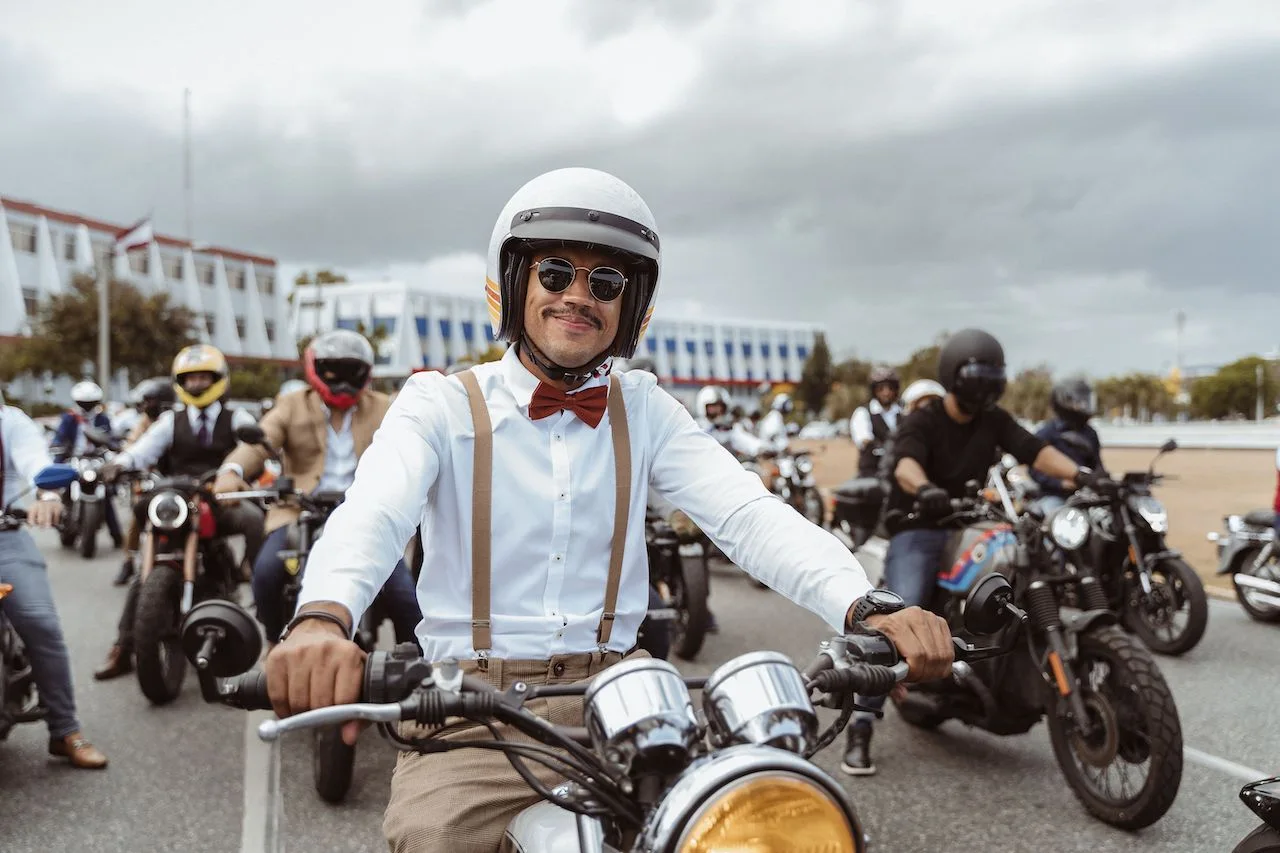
{"points": [[197, 383], [886, 393], [571, 327], [715, 411]]}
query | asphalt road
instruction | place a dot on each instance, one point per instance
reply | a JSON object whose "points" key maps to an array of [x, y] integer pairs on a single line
{"points": [[177, 777]]}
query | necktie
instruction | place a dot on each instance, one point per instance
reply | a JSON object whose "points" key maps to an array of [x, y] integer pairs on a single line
{"points": [[588, 405], [203, 435]]}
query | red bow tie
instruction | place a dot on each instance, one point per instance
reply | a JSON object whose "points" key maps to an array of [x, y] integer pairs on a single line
{"points": [[588, 405]]}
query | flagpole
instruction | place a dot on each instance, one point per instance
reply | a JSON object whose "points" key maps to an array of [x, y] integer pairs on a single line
{"points": [[104, 325]]}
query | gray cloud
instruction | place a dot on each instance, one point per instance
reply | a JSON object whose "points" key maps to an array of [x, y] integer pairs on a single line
{"points": [[1073, 224]]}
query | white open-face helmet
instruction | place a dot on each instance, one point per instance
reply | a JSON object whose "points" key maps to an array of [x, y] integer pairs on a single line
{"points": [[710, 395], [920, 389], [782, 403], [574, 205], [86, 394]]}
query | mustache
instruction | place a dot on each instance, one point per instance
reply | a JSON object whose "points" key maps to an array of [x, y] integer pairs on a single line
{"points": [[582, 313]]}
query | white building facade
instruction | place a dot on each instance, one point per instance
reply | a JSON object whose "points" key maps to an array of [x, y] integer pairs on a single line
{"points": [[431, 330], [238, 303]]}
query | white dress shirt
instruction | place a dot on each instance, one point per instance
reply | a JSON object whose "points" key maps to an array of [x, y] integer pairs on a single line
{"points": [[339, 454], [158, 438], [773, 431], [553, 487], [25, 452], [860, 422]]}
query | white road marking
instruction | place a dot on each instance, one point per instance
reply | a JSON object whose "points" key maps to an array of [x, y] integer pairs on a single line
{"points": [[1222, 765]]}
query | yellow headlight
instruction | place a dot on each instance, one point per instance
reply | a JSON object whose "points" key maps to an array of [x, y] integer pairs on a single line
{"points": [[291, 565], [770, 813]]}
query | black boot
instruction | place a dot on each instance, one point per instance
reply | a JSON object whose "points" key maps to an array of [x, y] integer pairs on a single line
{"points": [[857, 756], [126, 572]]}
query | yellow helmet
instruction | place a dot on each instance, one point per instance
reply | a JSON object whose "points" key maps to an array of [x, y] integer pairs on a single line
{"points": [[201, 358]]}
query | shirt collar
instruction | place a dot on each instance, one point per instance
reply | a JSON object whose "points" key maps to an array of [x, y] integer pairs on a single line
{"points": [[214, 409], [875, 408], [521, 383]]}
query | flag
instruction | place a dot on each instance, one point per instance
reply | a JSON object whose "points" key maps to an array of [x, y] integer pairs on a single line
{"points": [[138, 234]]}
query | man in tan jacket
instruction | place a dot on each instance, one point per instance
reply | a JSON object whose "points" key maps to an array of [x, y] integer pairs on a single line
{"points": [[321, 432]]}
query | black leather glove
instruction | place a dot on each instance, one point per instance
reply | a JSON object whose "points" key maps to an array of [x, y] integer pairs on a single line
{"points": [[1096, 480], [934, 502]]}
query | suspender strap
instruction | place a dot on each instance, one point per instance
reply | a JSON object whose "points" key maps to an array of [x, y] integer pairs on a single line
{"points": [[621, 506], [481, 506]]}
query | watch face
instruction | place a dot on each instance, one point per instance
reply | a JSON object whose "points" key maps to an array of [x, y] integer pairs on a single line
{"points": [[883, 598]]}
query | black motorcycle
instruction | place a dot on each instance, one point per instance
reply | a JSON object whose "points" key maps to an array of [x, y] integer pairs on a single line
{"points": [[858, 505], [681, 586], [1158, 596], [1263, 799], [19, 700], [85, 500], [1111, 716]]}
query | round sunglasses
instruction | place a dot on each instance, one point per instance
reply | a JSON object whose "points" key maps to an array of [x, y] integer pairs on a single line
{"points": [[556, 274]]}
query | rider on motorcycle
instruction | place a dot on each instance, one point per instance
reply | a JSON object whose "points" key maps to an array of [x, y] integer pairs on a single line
{"points": [[772, 429], [155, 395], [872, 424], [30, 606], [69, 439], [572, 272], [711, 408], [937, 450], [1072, 402], [188, 440], [321, 432]]}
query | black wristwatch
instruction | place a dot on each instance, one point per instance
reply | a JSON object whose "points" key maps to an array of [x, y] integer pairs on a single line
{"points": [[875, 602]]}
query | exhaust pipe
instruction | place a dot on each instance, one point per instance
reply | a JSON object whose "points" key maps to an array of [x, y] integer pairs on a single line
{"points": [[1257, 583]]}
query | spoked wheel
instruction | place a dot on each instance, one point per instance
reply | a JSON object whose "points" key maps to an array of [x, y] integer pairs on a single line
{"points": [[1171, 620], [1263, 564], [1127, 767]]}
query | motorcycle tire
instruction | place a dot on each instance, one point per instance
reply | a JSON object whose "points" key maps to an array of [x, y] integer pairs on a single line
{"points": [[690, 630], [90, 521], [1258, 612], [1157, 721], [333, 764], [159, 661], [1264, 839], [1176, 571]]}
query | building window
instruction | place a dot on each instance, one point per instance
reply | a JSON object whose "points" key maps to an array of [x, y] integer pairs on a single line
{"points": [[235, 279], [267, 283], [388, 323], [140, 261], [344, 323], [271, 331], [29, 301], [69, 247], [204, 272], [23, 237], [240, 327], [209, 324], [173, 267]]}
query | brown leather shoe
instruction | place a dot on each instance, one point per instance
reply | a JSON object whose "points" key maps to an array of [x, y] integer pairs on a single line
{"points": [[76, 748], [117, 663]]}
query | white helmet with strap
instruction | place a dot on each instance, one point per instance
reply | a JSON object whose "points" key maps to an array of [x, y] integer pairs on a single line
{"points": [[708, 396], [574, 205]]}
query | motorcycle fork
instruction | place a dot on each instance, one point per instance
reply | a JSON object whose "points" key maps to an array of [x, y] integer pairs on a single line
{"points": [[189, 570], [1136, 556], [1042, 605]]}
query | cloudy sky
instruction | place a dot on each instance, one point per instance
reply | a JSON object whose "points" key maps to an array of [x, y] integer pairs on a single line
{"points": [[1066, 174]]}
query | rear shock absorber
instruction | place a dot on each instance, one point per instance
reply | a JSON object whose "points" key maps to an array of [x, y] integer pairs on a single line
{"points": [[1092, 594], [1042, 606]]}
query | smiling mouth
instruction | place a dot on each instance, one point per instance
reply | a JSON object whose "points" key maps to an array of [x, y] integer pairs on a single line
{"points": [[574, 322]]}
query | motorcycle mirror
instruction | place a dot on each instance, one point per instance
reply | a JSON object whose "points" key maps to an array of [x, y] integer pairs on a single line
{"points": [[1263, 799], [985, 610], [1008, 462], [1169, 446], [251, 434], [220, 638], [56, 476]]}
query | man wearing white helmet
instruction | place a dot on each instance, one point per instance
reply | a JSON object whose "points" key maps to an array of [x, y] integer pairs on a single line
{"points": [[69, 440], [772, 429], [548, 583], [711, 411], [871, 425]]}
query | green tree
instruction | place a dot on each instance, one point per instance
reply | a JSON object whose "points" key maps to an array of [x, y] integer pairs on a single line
{"points": [[146, 332], [255, 380], [923, 363], [377, 337], [849, 388], [1142, 394], [816, 376], [1233, 390], [1028, 394]]}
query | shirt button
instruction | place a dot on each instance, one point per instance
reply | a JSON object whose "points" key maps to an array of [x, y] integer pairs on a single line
{"points": [[556, 436], [557, 558], [562, 496], [558, 668]]}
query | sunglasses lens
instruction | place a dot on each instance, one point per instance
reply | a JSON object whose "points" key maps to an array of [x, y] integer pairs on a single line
{"points": [[555, 274], [606, 283]]}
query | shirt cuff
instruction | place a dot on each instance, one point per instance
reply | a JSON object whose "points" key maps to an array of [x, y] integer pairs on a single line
{"points": [[841, 592], [234, 467]]}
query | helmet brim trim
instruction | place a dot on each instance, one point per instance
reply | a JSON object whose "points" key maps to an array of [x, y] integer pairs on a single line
{"points": [[580, 225]]}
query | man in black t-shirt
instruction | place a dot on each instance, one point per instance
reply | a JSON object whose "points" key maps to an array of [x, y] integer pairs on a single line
{"points": [[937, 449]]}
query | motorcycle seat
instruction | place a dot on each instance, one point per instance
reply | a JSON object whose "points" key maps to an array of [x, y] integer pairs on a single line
{"points": [[861, 490], [1260, 517]]}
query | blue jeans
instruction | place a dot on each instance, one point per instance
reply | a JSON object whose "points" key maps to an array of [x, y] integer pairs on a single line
{"points": [[910, 569], [269, 577], [31, 610]]}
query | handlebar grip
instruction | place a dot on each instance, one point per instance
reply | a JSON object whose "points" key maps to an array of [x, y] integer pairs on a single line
{"points": [[249, 691]]}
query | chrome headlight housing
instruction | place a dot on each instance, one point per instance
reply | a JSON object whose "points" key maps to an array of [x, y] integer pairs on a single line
{"points": [[804, 465], [1235, 523], [1069, 528], [640, 712], [760, 698], [754, 798], [1152, 512], [167, 511]]}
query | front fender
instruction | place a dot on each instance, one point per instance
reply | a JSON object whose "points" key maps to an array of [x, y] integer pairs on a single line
{"points": [[1081, 622]]}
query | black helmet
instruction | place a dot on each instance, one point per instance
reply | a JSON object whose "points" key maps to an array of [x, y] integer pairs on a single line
{"points": [[884, 376], [155, 395], [971, 366], [1072, 400]]}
